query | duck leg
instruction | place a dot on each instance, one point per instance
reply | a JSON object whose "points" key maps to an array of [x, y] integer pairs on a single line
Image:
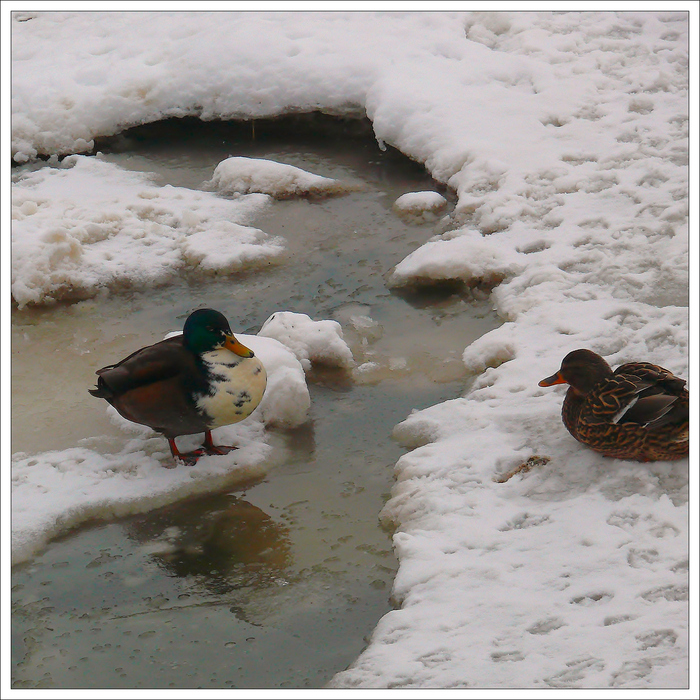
{"points": [[188, 458], [211, 449]]}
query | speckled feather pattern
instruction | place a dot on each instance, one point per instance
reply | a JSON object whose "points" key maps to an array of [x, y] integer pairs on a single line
{"points": [[590, 418], [237, 386]]}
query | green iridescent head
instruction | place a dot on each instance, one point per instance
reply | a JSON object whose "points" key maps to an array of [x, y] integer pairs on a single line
{"points": [[207, 329]]}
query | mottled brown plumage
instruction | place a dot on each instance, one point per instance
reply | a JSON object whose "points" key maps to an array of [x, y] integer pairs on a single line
{"points": [[639, 411]]}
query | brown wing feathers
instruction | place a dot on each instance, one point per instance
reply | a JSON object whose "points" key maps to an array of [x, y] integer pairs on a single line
{"points": [[149, 365]]}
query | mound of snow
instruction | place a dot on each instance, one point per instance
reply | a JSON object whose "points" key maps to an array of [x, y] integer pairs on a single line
{"points": [[243, 175], [464, 255], [420, 206], [311, 341]]}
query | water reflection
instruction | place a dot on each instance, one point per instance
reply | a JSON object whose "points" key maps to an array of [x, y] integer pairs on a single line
{"points": [[335, 378], [442, 294], [222, 541]]}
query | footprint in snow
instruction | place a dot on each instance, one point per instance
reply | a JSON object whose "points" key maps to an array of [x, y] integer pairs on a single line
{"points": [[546, 626], [590, 599], [576, 671]]}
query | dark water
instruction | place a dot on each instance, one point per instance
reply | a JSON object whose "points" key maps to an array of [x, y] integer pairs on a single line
{"points": [[276, 584]]}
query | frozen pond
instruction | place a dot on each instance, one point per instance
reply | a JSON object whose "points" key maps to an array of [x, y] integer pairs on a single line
{"points": [[269, 584]]}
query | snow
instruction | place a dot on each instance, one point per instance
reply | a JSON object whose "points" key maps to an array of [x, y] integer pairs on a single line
{"points": [[469, 257], [311, 341], [420, 206], [564, 137], [279, 180], [86, 225], [420, 201]]}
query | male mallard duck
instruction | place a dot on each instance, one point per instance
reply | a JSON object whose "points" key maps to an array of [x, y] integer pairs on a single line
{"points": [[639, 411], [190, 383]]}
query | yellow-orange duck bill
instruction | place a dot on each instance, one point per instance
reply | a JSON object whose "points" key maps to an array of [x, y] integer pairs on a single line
{"points": [[236, 346], [554, 379]]}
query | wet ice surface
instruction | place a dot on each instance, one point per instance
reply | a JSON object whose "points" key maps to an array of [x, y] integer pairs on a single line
{"points": [[294, 568]]}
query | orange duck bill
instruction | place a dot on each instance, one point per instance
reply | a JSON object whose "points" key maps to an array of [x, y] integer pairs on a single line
{"points": [[234, 345], [554, 379]]}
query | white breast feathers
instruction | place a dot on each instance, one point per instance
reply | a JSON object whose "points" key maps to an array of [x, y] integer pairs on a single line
{"points": [[237, 385]]}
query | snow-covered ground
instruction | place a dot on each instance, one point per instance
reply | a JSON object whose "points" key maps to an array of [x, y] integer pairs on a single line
{"points": [[565, 138]]}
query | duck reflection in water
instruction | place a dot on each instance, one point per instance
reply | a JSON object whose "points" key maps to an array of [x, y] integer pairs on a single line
{"points": [[222, 541]]}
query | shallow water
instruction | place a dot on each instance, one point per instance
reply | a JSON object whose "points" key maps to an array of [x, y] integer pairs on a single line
{"points": [[278, 583], [275, 585]]}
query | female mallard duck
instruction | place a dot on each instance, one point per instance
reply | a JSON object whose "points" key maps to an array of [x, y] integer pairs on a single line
{"points": [[639, 411], [190, 383]]}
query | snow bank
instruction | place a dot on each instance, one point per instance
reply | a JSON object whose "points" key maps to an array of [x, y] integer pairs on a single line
{"points": [[571, 572], [56, 490], [87, 225]]}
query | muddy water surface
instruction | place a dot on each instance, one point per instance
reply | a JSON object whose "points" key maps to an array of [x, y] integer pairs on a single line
{"points": [[277, 583]]}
